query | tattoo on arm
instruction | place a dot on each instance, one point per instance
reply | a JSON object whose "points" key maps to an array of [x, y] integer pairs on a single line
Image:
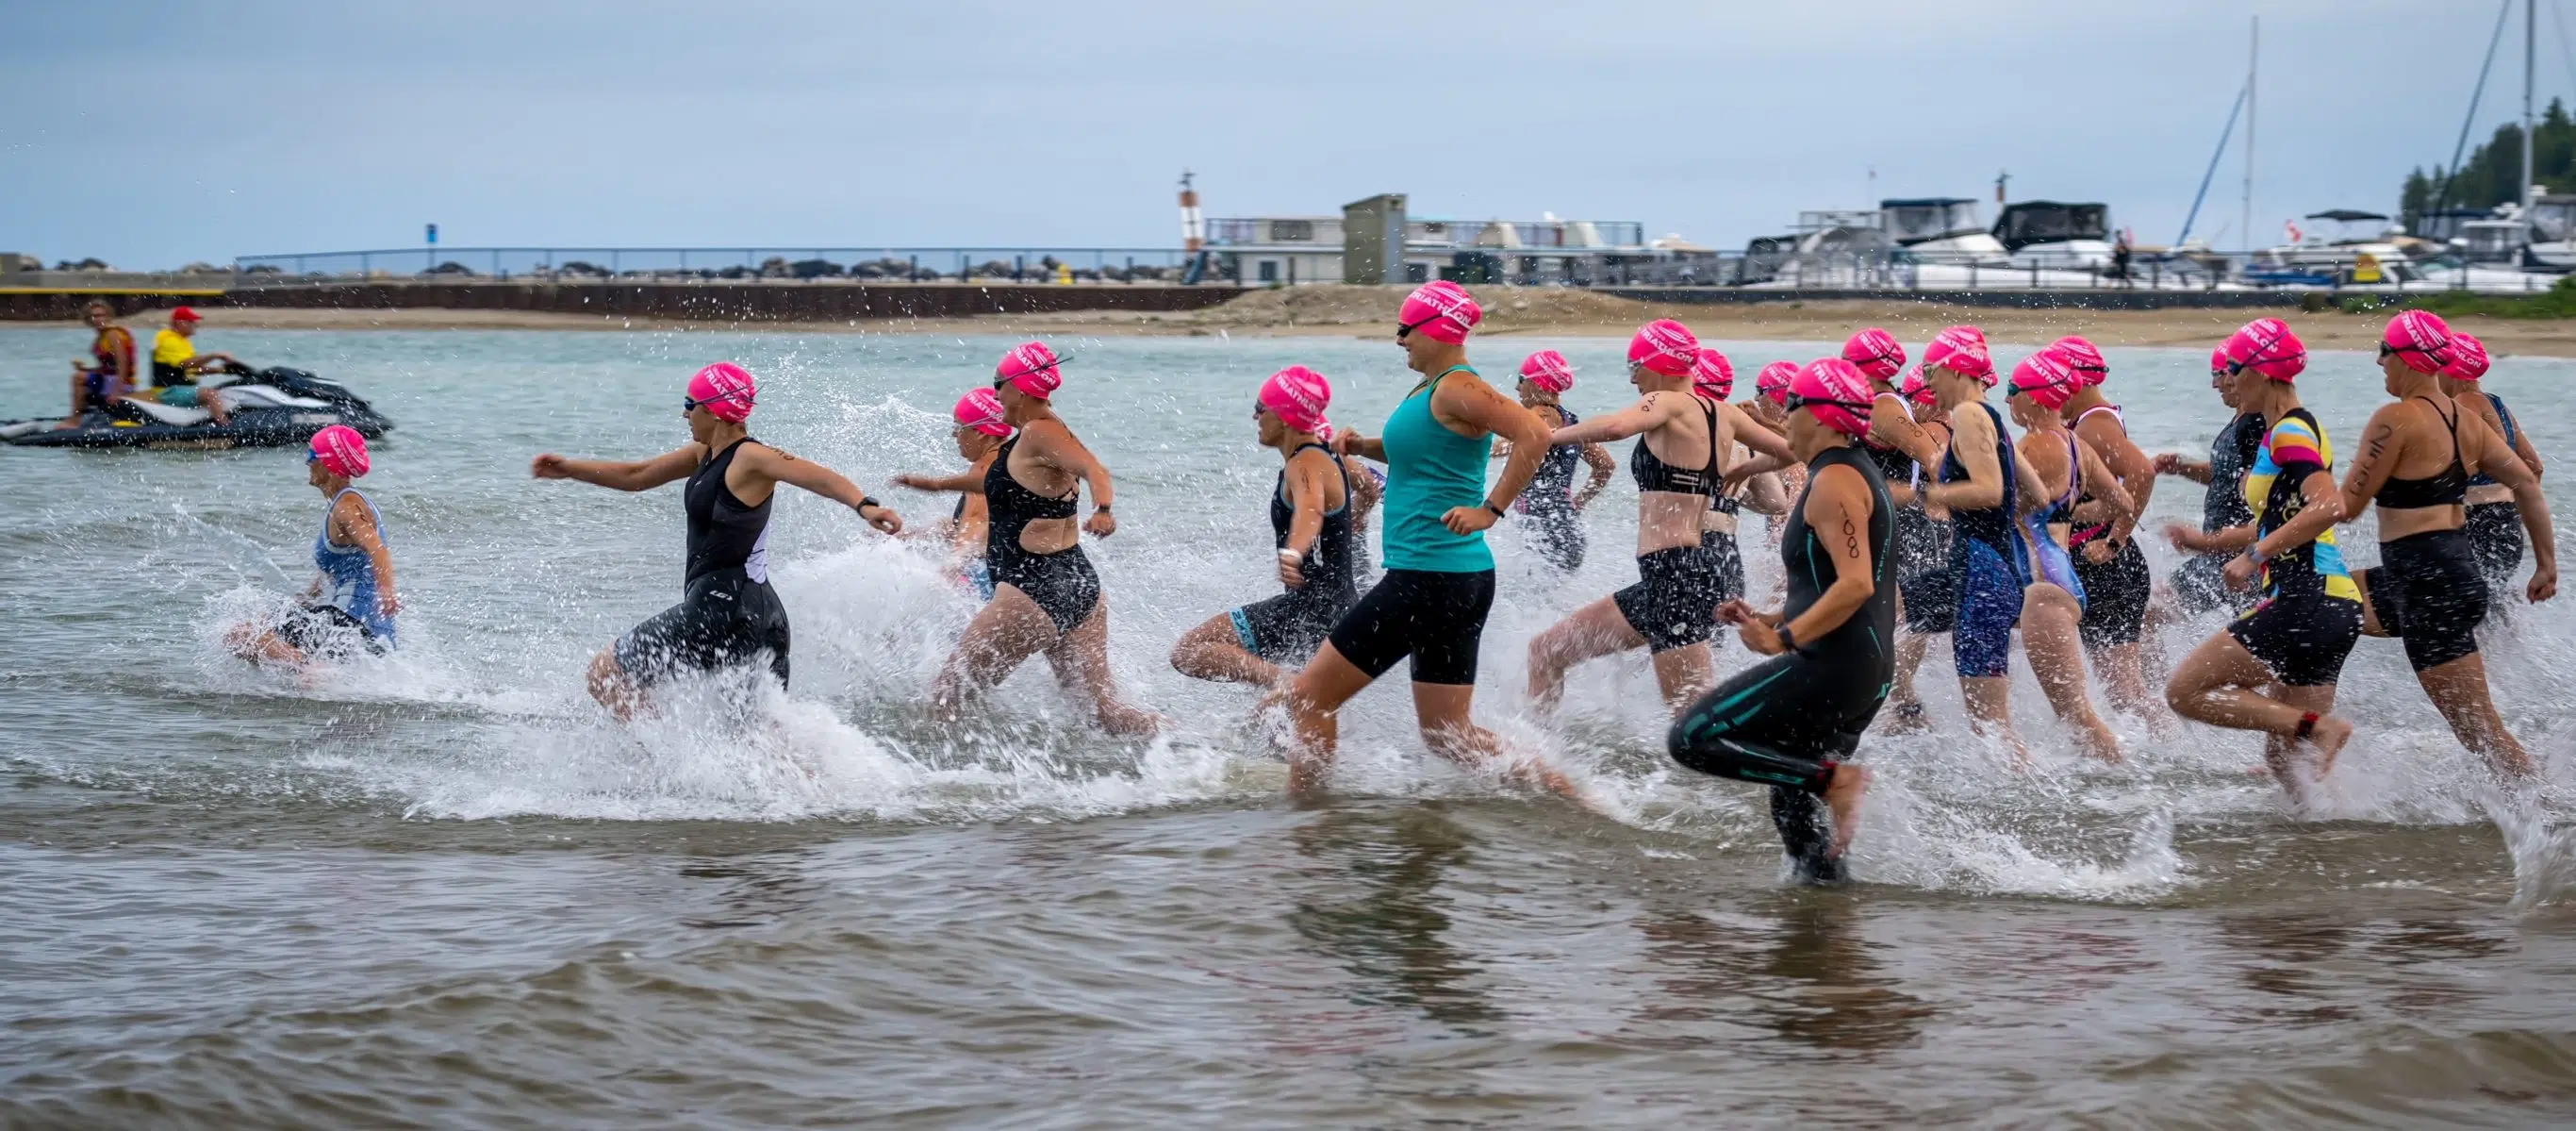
{"points": [[1851, 535]]}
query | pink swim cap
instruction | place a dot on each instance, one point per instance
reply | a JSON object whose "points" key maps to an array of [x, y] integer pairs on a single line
{"points": [[1443, 311], [2217, 360], [981, 410], [2045, 377], [1031, 368], [2267, 348], [1664, 346], [2469, 359], [2420, 339], [1961, 350], [340, 450], [1773, 381], [2083, 357], [1918, 390], [1298, 396], [725, 390], [1712, 375], [1548, 370], [1875, 353], [1837, 392]]}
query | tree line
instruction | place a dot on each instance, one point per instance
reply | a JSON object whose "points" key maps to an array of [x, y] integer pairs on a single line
{"points": [[2490, 175]]}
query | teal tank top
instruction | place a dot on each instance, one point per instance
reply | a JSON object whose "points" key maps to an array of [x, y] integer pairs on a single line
{"points": [[1430, 469]]}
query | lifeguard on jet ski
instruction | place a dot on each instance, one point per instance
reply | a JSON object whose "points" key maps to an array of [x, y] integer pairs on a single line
{"points": [[193, 400]]}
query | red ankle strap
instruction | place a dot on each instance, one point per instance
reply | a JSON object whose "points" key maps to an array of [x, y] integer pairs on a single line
{"points": [[2307, 725]]}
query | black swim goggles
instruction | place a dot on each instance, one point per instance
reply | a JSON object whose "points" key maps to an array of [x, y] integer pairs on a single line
{"points": [[1794, 402]]}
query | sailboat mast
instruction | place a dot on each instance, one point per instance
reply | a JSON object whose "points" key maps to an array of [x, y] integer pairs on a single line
{"points": [[2530, 50], [2253, 54]]}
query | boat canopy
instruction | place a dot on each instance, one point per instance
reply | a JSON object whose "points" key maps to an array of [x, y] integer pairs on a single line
{"points": [[1918, 219], [2028, 222], [2345, 215]]}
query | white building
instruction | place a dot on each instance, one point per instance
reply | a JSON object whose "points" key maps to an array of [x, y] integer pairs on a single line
{"points": [[1296, 250]]}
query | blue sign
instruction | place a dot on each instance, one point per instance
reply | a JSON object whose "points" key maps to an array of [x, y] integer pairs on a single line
{"points": [[433, 235]]}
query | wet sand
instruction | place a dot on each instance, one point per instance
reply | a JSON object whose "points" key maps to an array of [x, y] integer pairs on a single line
{"points": [[1356, 311]]}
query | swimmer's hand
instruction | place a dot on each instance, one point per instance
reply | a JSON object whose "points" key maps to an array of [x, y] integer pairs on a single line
{"points": [[883, 518], [1468, 520], [2544, 584], [2168, 463], [2098, 551], [548, 466], [916, 482], [387, 603], [1289, 574], [2240, 571], [1345, 442], [1101, 524], [2185, 538]]}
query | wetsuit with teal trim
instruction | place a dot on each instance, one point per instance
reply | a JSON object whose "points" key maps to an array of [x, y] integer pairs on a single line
{"points": [[1787, 721], [1988, 565]]}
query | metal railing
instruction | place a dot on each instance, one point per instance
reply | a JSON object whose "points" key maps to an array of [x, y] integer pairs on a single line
{"points": [[1090, 265]]}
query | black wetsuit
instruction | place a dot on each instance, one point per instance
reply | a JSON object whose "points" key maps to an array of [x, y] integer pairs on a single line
{"points": [[2199, 583], [1674, 602], [1287, 629], [1062, 583], [1556, 528], [1786, 721], [727, 614]]}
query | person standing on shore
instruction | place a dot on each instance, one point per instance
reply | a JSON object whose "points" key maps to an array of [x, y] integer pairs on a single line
{"points": [[728, 615], [2427, 589], [981, 429], [1553, 505], [1438, 587], [2199, 584], [2494, 526], [1310, 524], [1046, 596], [1793, 721], [2274, 668]]}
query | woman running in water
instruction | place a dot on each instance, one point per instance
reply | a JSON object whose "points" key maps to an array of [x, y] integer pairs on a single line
{"points": [[979, 433], [727, 613], [1439, 582], [1553, 505], [1926, 588], [2199, 583], [2495, 529], [1046, 596], [2053, 608], [1792, 721], [1310, 525], [1680, 467], [2274, 668], [2427, 590], [351, 603], [2108, 562]]}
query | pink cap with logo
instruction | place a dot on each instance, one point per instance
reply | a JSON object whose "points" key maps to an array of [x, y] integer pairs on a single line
{"points": [[340, 450], [2267, 348], [2083, 357], [1712, 375], [1961, 350], [981, 410], [1876, 354], [1298, 396], [725, 390], [1837, 392], [1032, 368], [1548, 370], [2420, 339], [1773, 381], [2469, 359], [1439, 310], [1664, 346], [1918, 390], [2217, 360], [2045, 377]]}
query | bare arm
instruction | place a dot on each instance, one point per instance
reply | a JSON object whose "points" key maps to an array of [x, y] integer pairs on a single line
{"points": [[2323, 510], [967, 482], [2376, 461], [634, 475], [764, 462], [1650, 411], [1054, 445], [1477, 405], [1765, 495], [357, 527], [1603, 467], [2173, 463], [1306, 500], [1350, 443], [1890, 426], [2108, 491], [2488, 453], [2137, 473], [1838, 508], [1973, 444], [1750, 433]]}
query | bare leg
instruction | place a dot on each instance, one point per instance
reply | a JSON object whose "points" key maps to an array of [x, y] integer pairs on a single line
{"points": [[612, 687], [1008, 630], [2459, 690], [1213, 652], [2216, 684], [1081, 662], [1315, 699], [80, 401], [1990, 711], [1445, 712], [1904, 713], [1593, 631], [256, 644], [1842, 798], [2048, 636], [1682, 674]]}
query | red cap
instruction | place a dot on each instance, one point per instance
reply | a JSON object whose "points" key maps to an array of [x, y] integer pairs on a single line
{"points": [[185, 314]]}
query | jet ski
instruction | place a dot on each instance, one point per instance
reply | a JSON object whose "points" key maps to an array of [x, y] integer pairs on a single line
{"points": [[271, 407]]}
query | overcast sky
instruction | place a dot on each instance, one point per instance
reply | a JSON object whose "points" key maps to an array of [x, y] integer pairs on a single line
{"points": [[154, 134]]}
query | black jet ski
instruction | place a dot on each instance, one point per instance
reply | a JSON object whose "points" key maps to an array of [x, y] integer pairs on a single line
{"points": [[271, 407]]}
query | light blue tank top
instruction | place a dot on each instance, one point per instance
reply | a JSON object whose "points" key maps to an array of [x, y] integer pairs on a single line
{"points": [[1430, 469], [349, 575]]}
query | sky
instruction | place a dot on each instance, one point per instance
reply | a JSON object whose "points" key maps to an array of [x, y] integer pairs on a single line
{"points": [[154, 134]]}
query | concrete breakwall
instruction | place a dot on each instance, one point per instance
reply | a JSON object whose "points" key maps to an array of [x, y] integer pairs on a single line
{"points": [[698, 301]]}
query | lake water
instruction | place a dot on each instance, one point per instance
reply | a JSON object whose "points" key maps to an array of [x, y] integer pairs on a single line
{"points": [[441, 889]]}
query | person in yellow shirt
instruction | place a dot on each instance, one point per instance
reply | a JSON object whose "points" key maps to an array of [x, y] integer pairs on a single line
{"points": [[176, 365]]}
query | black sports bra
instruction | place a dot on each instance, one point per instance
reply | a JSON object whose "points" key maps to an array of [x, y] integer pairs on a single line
{"points": [[1654, 474], [2448, 488]]}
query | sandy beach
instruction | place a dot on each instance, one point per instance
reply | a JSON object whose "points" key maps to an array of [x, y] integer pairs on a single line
{"points": [[1362, 311]]}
